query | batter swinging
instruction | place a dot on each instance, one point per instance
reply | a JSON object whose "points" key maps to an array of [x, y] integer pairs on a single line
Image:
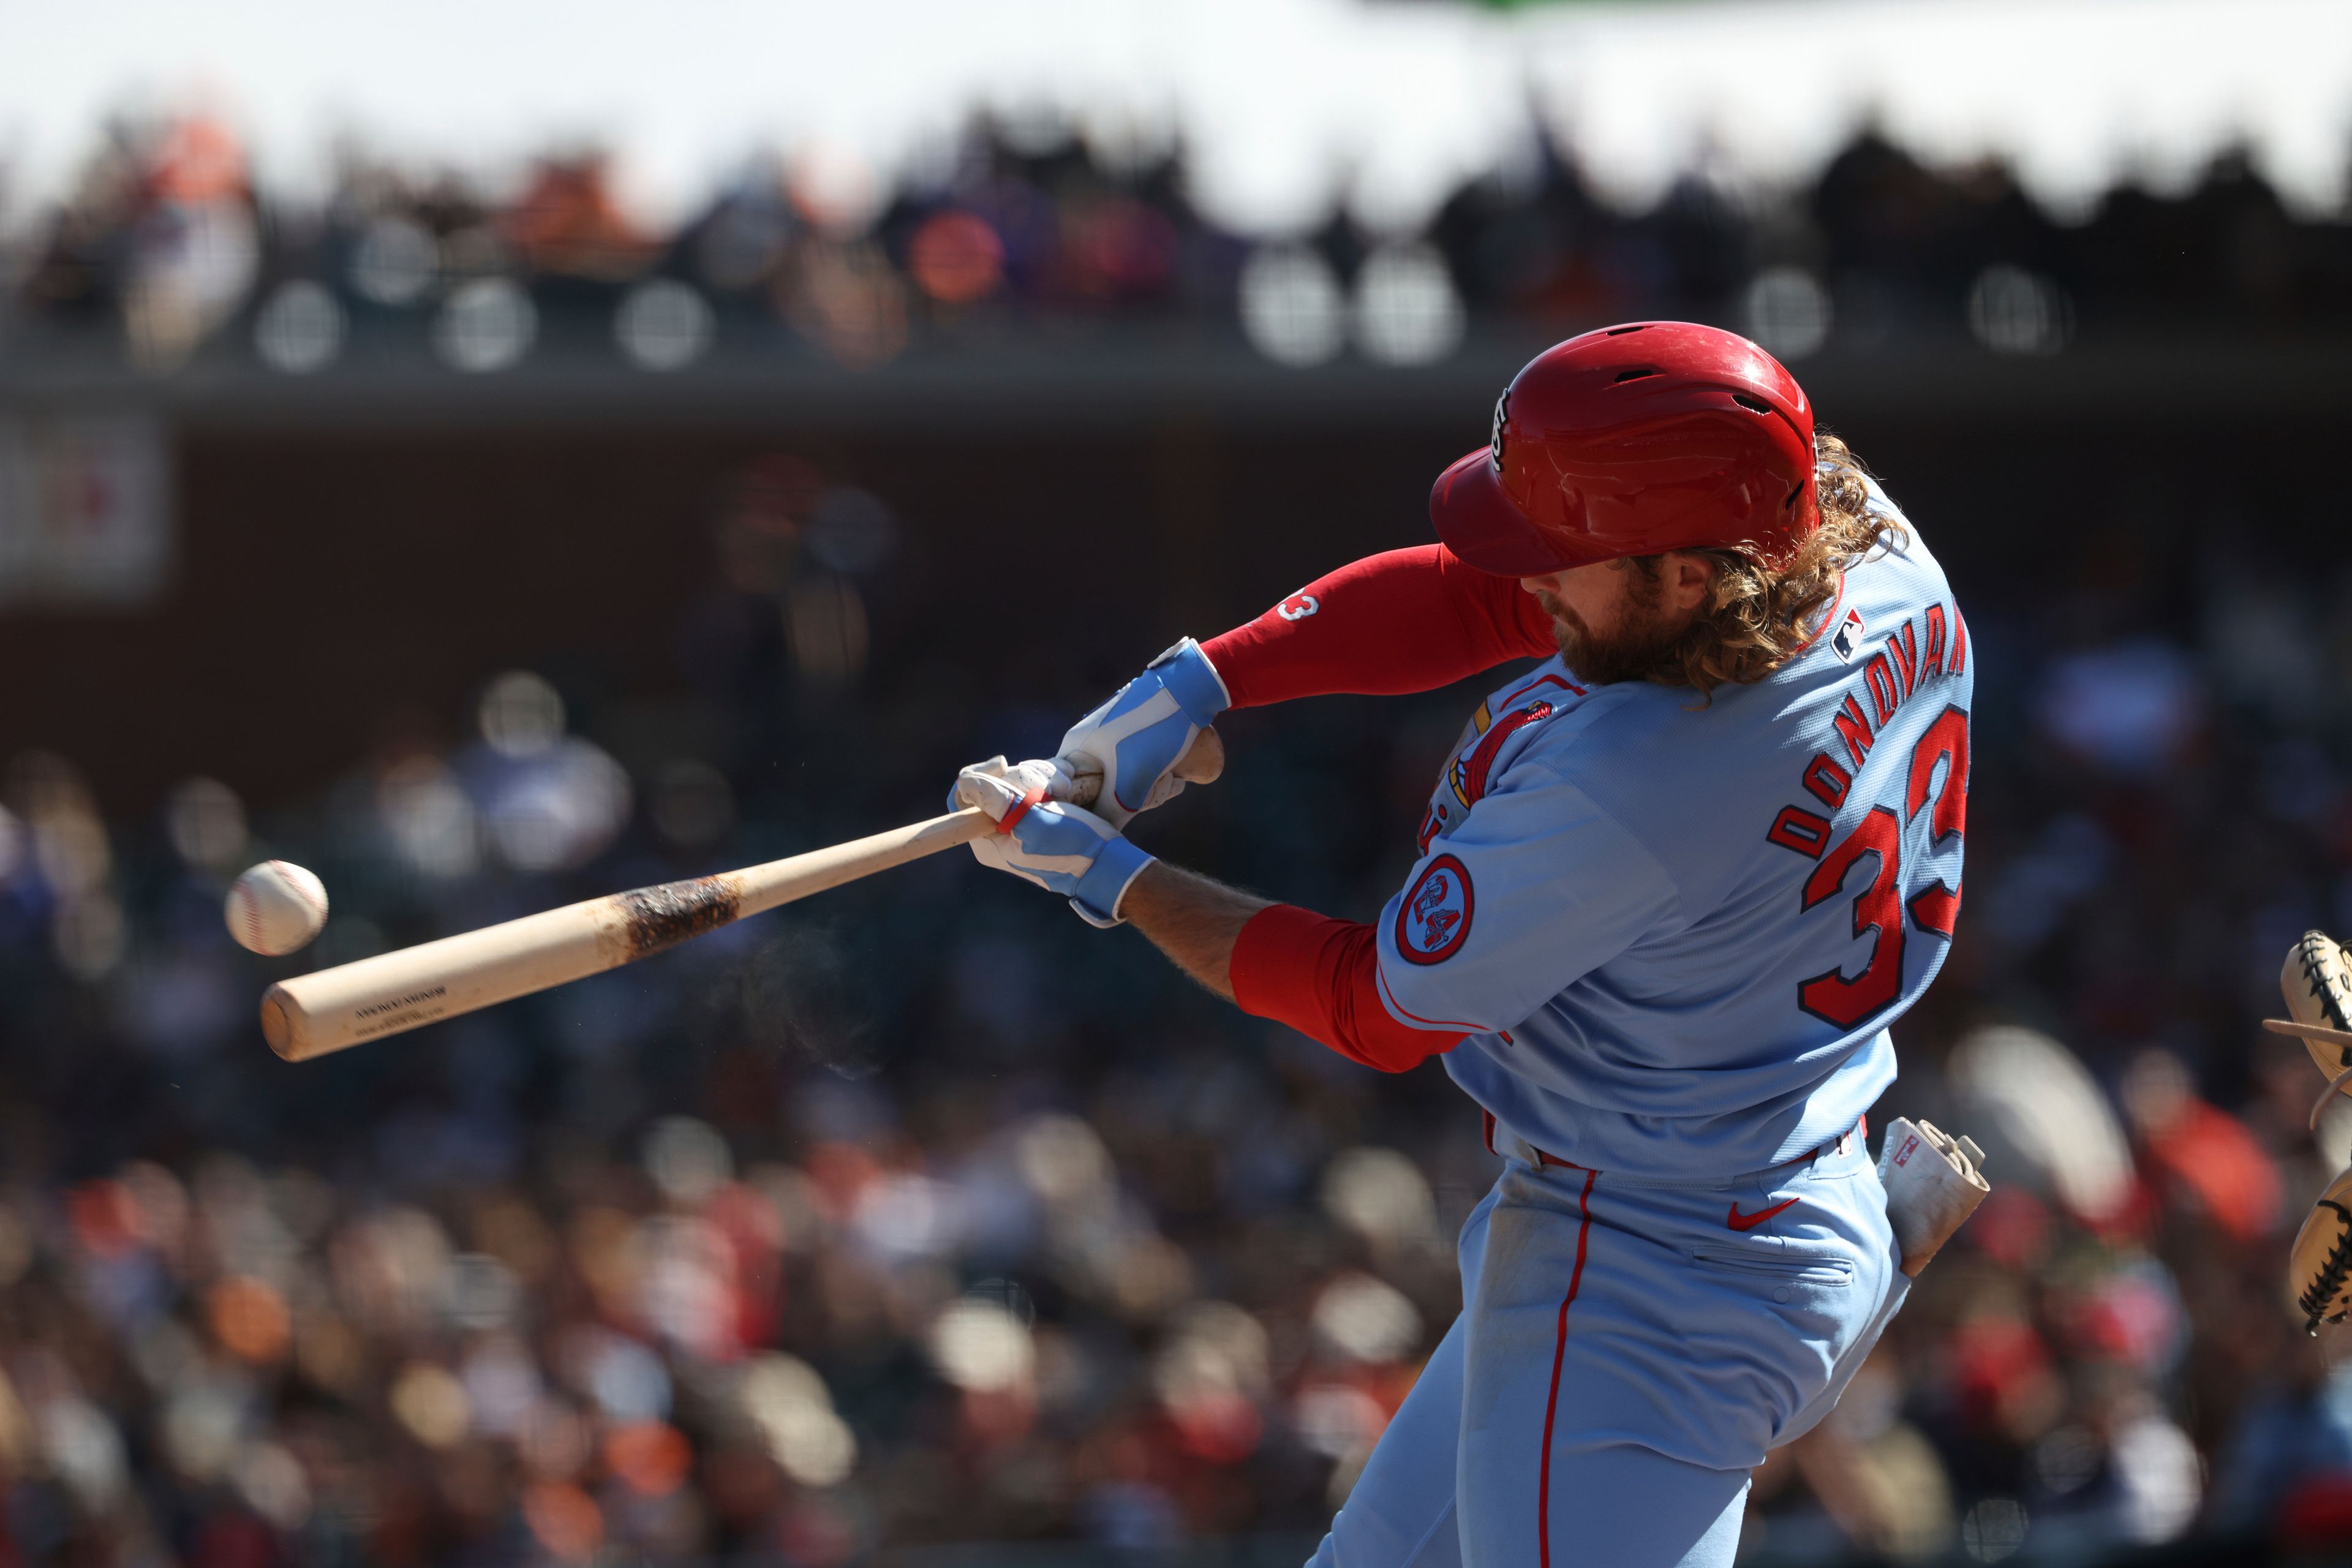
{"points": [[1673, 885]]}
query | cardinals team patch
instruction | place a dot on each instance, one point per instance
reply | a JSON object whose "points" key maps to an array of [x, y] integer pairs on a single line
{"points": [[1434, 921]]}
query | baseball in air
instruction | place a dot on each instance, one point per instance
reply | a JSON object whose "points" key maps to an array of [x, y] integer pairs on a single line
{"points": [[275, 908]]}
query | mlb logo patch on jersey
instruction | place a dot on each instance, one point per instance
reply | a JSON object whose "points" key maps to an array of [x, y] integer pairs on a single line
{"points": [[1433, 920], [1847, 641]]}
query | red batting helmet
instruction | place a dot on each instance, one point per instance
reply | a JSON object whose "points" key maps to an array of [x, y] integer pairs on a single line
{"points": [[1633, 440]]}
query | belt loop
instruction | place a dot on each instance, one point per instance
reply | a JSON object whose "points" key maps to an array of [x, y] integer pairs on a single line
{"points": [[1844, 1141]]}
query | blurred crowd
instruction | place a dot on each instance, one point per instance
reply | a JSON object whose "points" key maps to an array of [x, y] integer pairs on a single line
{"points": [[1025, 232], [921, 1212]]}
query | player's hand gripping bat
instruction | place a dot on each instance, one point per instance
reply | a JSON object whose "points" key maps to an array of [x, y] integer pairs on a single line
{"points": [[328, 1009]]}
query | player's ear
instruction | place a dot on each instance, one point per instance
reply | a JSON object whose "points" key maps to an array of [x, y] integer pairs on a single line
{"points": [[1689, 575]]}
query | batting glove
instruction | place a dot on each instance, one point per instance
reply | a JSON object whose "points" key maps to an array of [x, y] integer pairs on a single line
{"points": [[1136, 738], [1063, 848]]}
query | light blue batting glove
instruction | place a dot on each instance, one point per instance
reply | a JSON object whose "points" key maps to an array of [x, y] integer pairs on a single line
{"points": [[1135, 739], [1062, 847]]}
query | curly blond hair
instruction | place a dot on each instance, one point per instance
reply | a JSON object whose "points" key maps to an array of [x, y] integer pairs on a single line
{"points": [[1758, 617]]}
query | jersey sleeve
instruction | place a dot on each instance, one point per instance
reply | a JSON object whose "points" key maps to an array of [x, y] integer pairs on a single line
{"points": [[1407, 620], [1320, 976], [1538, 886]]}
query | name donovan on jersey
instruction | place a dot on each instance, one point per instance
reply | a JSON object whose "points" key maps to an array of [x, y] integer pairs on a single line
{"points": [[1918, 663]]}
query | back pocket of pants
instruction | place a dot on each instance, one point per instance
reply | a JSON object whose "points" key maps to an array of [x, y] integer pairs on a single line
{"points": [[1794, 1268]]}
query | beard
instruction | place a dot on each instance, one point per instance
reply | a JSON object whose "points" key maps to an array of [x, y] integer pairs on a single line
{"points": [[1636, 648]]}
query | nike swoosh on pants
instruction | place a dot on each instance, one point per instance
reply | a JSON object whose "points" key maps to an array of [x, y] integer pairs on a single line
{"points": [[1739, 1221]]}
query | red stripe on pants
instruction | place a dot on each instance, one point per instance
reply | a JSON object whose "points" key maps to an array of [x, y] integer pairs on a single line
{"points": [[1559, 1354]]}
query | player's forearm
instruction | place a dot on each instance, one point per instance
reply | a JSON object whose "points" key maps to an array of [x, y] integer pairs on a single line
{"points": [[1278, 962], [1192, 918], [1406, 620]]}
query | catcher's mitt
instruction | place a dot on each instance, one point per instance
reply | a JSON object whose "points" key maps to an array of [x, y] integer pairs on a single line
{"points": [[2320, 1266], [2318, 983]]}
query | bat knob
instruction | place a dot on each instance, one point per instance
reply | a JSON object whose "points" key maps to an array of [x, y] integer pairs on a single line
{"points": [[1205, 761]]}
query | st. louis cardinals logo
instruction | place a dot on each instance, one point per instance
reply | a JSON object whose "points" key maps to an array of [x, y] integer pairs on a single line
{"points": [[1468, 774], [1433, 920], [1297, 607], [1502, 413]]}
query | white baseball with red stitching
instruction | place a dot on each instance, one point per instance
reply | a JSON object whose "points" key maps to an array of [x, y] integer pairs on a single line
{"points": [[275, 908]]}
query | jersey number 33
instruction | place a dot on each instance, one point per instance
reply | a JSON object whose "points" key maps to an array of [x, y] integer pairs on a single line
{"points": [[1934, 782]]}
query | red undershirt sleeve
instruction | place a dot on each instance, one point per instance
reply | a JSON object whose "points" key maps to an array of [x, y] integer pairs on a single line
{"points": [[1318, 975], [1407, 620]]}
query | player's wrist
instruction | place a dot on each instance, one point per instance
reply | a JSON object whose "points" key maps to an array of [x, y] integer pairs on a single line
{"points": [[1189, 677], [1098, 893]]}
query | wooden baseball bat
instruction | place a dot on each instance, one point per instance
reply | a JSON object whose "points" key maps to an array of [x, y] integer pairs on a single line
{"points": [[369, 998]]}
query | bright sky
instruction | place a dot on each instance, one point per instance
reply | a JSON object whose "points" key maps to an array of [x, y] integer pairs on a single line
{"points": [[1286, 103]]}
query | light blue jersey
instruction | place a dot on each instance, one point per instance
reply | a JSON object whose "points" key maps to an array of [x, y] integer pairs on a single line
{"points": [[1677, 931]]}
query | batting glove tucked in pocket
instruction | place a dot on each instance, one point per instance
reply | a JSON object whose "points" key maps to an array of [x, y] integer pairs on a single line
{"points": [[1062, 847]]}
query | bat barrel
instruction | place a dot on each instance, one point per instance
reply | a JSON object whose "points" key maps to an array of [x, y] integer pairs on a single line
{"points": [[312, 1014], [330, 1009]]}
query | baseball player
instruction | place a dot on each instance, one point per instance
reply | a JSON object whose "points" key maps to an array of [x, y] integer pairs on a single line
{"points": [[1674, 884]]}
